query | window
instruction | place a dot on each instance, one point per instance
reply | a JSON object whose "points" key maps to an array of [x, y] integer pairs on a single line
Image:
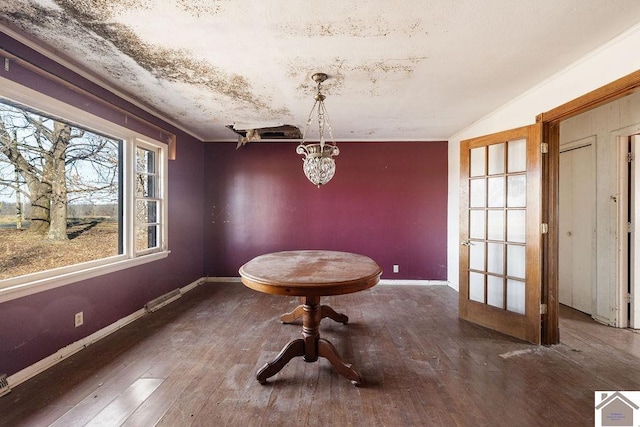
{"points": [[79, 196], [148, 201]]}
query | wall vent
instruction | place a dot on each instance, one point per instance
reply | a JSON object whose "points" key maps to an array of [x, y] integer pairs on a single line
{"points": [[4, 385], [163, 300]]}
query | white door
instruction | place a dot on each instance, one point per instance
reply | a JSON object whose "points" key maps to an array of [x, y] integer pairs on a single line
{"points": [[577, 224], [633, 287]]}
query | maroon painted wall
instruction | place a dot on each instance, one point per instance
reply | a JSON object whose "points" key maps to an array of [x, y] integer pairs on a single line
{"points": [[36, 326], [388, 200]]}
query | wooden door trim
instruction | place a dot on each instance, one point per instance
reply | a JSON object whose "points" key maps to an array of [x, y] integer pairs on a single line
{"points": [[617, 89], [534, 210], [550, 185], [550, 333]]}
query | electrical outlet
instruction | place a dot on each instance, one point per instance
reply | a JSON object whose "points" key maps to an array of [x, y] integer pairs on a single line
{"points": [[79, 319], [396, 268]]}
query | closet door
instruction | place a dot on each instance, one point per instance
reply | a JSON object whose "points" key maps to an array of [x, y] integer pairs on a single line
{"points": [[576, 221]]}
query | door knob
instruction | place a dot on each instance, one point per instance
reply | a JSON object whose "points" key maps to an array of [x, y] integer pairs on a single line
{"points": [[466, 243]]}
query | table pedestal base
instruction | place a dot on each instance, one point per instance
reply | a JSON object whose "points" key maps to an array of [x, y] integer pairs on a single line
{"points": [[310, 346], [325, 311]]}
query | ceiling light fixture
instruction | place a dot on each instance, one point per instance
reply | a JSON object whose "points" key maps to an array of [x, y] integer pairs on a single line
{"points": [[318, 163]]}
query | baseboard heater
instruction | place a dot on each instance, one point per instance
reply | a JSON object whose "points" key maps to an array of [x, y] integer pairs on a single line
{"points": [[162, 300], [4, 385]]}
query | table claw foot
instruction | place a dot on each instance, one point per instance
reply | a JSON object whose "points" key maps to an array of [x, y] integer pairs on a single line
{"points": [[326, 311], [292, 349], [292, 316], [328, 351]]}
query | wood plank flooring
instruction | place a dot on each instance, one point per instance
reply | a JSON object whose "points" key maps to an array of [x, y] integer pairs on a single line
{"points": [[193, 363]]}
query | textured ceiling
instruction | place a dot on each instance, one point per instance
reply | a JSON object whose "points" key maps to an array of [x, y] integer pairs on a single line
{"points": [[399, 70]]}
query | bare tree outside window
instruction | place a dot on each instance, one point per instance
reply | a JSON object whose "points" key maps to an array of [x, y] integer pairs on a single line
{"points": [[147, 201], [61, 179]]}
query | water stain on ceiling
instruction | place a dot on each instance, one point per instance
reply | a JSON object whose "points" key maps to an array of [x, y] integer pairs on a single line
{"points": [[409, 70], [166, 64]]}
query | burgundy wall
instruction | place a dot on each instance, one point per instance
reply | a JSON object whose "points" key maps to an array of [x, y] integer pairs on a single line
{"points": [[387, 201], [36, 326]]}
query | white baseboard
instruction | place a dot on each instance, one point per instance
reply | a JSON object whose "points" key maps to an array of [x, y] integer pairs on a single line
{"points": [[40, 366], [65, 352], [222, 279], [413, 282], [192, 285]]}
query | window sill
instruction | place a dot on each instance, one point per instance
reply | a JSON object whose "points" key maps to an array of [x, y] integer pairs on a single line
{"points": [[20, 290]]}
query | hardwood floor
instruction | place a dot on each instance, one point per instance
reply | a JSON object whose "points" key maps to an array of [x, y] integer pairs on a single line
{"points": [[194, 363]]}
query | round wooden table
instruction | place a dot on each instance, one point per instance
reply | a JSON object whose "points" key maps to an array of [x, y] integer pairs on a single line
{"points": [[310, 275]]}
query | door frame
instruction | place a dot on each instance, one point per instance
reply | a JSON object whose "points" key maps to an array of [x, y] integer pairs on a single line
{"points": [[631, 307], [628, 313], [550, 185]]}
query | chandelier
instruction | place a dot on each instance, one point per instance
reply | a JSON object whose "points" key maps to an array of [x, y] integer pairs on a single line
{"points": [[318, 163]]}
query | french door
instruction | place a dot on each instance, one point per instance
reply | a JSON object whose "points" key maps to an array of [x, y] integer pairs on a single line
{"points": [[500, 232]]}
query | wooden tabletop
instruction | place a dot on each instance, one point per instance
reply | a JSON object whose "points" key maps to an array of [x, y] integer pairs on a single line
{"points": [[310, 273]]}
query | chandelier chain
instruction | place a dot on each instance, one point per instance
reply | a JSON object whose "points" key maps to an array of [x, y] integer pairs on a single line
{"points": [[318, 163]]}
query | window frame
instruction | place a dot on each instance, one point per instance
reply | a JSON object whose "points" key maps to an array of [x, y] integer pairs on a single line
{"points": [[160, 191], [20, 286]]}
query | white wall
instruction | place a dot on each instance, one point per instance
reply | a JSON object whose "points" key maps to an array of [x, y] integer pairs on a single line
{"points": [[610, 62], [606, 123]]}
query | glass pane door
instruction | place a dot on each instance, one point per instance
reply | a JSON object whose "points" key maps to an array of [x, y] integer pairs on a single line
{"points": [[499, 265], [497, 212]]}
